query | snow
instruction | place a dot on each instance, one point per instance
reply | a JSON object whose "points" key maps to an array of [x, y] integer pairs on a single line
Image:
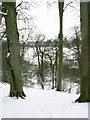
{"points": [[3, 13], [41, 104]]}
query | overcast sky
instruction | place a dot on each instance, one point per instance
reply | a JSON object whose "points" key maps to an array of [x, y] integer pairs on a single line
{"points": [[47, 18]]}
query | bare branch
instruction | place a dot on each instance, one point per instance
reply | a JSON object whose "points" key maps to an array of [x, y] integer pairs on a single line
{"points": [[19, 4], [69, 4]]}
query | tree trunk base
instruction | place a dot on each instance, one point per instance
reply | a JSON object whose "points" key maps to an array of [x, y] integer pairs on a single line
{"points": [[52, 87], [58, 89], [42, 86], [17, 94], [80, 100]]}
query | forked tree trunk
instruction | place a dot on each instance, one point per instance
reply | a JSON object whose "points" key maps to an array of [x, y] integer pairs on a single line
{"points": [[14, 63]]}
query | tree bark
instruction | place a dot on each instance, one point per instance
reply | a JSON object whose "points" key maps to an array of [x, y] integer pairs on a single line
{"points": [[42, 70], [60, 48], [40, 66], [89, 50], [14, 62], [84, 10], [56, 57], [4, 61], [77, 39]]}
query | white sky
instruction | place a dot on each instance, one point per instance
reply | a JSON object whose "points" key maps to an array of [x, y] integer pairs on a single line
{"points": [[47, 19]]}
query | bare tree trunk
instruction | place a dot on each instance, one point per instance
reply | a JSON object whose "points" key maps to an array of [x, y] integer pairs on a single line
{"points": [[40, 66], [14, 63], [4, 61], [53, 81], [42, 70], [60, 48], [78, 48], [0, 14], [0, 60], [52, 70], [56, 55], [84, 97], [89, 50]]}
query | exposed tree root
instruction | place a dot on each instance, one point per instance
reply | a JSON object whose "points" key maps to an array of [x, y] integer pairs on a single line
{"points": [[17, 95]]}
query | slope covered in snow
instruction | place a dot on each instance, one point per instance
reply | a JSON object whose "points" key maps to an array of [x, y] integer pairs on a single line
{"points": [[41, 104]]}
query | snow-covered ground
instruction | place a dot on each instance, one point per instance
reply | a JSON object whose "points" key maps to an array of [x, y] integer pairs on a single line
{"points": [[41, 104]]}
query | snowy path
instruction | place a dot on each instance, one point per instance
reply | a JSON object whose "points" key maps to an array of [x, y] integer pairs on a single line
{"points": [[41, 104]]}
